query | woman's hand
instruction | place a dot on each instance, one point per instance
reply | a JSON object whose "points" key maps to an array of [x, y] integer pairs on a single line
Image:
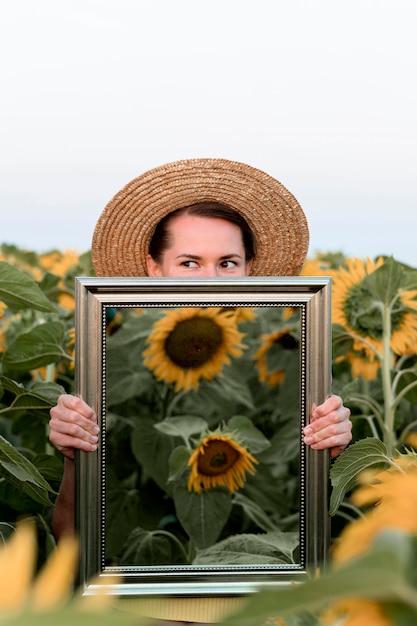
{"points": [[73, 425], [330, 427]]}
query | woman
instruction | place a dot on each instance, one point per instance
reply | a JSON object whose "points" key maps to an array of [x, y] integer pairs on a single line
{"points": [[196, 218]]}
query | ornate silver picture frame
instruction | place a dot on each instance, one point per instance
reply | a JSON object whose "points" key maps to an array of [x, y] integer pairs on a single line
{"points": [[201, 485]]}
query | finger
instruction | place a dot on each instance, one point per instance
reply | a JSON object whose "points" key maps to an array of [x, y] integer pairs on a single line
{"points": [[71, 435], [338, 433], [63, 418], [74, 403], [332, 403], [73, 429], [66, 445]]}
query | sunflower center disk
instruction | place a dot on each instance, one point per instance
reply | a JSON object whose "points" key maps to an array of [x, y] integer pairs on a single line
{"points": [[193, 342], [218, 457]]}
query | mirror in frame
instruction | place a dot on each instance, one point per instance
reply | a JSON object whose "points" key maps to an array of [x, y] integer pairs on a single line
{"points": [[201, 484]]}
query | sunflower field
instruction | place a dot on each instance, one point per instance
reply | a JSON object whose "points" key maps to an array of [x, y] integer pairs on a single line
{"points": [[234, 460], [202, 466]]}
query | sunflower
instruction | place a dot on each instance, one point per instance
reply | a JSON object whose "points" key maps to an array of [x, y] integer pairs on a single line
{"points": [[391, 497], [190, 343], [219, 461], [352, 300], [285, 340]]}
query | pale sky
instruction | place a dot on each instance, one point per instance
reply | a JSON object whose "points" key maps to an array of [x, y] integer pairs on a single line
{"points": [[321, 94]]}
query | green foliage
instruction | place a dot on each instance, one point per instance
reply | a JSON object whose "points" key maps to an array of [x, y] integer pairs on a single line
{"points": [[154, 430], [364, 454], [36, 367], [18, 291], [384, 408], [386, 574], [152, 516]]}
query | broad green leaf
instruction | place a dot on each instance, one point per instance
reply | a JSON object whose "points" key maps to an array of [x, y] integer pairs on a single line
{"points": [[37, 348], [41, 395], [19, 291], [272, 548], [178, 462], [223, 392], [254, 512], [202, 515], [252, 437], [152, 449], [22, 473], [411, 279], [151, 548], [385, 281], [381, 574], [362, 455], [183, 426], [122, 514], [125, 383]]}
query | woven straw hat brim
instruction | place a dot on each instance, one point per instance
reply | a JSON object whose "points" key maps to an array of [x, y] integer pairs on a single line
{"points": [[124, 230]]}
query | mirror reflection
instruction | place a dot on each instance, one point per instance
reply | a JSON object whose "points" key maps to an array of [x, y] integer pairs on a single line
{"points": [[202, 446]]}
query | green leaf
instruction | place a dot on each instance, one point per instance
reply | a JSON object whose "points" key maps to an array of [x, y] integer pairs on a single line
{"points": [[252, 437], [202, 515], [151, 548], [19, 291], [39, 347], [380, 574], [122, 514], [152, 449], [183, 426], [411, 279], [22, 473], [271, 548], [363, 454], [41, 395], [125, 382], [254, 512], [178, 462], [385, 281]]}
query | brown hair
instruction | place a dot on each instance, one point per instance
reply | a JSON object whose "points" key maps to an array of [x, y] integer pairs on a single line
{"points": [[161, 238]]}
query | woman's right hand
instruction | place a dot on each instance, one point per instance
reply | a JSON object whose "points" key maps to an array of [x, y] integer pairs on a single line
{"points": [[73, 425]]}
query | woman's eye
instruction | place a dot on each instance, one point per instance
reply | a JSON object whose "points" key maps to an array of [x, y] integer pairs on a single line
{"points": [[228, 264]]}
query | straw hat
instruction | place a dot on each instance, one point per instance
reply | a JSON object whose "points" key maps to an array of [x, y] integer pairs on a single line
{"points": [[125, 228]]}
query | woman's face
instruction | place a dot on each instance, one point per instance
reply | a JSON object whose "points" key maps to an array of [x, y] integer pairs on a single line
{"points": [[202, 247]]}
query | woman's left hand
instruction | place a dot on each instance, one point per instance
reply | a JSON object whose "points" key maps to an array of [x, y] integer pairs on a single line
{"points": [[330, 427]]}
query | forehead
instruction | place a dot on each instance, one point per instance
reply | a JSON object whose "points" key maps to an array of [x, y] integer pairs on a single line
{"points": [[193, 225]]}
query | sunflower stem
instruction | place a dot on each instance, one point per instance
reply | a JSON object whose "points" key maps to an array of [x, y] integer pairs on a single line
{"points": [[386, 367]]}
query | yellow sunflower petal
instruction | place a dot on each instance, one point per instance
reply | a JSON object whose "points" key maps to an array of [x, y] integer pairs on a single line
{"points": [[17, 562], [54, 582]]}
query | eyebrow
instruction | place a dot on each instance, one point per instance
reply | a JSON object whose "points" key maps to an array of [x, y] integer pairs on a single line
{"points": [[195, 257]]}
